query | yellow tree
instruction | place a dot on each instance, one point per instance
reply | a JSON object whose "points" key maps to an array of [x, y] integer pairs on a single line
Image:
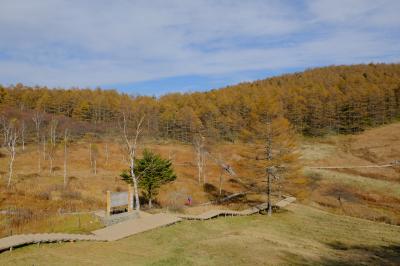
{"points": [[273, 153]]}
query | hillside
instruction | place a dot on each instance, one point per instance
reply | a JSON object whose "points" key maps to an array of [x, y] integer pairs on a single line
{"points": [[344, 99], [369, 193], [361, 101], [372, 193], [300, 236]]}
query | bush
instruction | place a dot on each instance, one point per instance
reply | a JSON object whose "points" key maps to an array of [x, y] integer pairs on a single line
{"points": [[43, 195], [71, 195]]}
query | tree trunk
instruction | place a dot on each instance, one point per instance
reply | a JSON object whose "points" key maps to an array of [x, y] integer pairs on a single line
{"points": [[150, 203], [203, 171], [10, 168], [269, 158], [23, 135], [106, 154], [51, 164], [135, 185], [44, 148], [269, 195], [135, 190], [90, 156], [199, 166], [39, 155], [65, 160], [220, 184]]}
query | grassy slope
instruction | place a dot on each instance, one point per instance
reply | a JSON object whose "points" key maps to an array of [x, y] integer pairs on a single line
{"points": [[302, 235], [366, 193], [371, 193]]}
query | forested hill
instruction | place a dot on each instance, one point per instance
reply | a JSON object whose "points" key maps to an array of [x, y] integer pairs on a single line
{"points": [[340, 99]]}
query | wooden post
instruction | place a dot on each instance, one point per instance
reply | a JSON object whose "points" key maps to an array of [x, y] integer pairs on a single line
{"points": [[108, 212], [130, 198]]}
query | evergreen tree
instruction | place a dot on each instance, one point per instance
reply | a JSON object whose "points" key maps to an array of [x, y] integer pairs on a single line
{"points": [[152, 172]]}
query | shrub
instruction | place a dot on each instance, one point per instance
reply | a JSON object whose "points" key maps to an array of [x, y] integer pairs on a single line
{"points": [[71, 195]]}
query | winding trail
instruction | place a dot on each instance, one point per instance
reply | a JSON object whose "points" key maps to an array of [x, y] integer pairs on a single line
{"points": [[127, 228], [216, 213]]}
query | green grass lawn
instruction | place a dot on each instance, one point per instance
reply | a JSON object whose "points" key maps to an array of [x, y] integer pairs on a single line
{"points": [[302, 235]]}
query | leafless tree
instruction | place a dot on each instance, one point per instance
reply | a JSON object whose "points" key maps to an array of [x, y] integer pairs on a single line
{"points": [[44, 144], [38, 119], [198, 143], [94, 152], [106, 154], [131, 130], [23, 127], [10, 133], [90, 155], [65, 156], [52, 143], [268, 151]]}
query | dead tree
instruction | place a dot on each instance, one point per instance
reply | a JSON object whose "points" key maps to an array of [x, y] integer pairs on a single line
{"points": [[38, 119], [65, 156], [52, 143], [224, 168], [94, 152], [106, 154], [131, 131], [268, 151], [10, 133], [23, 127], [199, 148], [44, 145]]}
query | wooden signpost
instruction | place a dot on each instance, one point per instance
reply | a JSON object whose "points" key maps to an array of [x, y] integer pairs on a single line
{"points": [[119, 199]]}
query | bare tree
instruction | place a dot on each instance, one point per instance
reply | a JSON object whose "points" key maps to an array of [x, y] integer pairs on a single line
{"points": [[38, 119], [269, 170], [44, 144], [10, 133], [65, 155], [131, 132], [52, 143], [90, 155], [23, 127], [198, 143], [94, 152], [106, 153]]}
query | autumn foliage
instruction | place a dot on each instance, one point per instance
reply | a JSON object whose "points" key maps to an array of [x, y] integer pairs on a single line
{"points": [[336, 99]]}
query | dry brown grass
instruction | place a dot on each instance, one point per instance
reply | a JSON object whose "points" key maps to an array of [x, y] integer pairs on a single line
{"points": [[38, 192], [371, 193], [366, 193]]}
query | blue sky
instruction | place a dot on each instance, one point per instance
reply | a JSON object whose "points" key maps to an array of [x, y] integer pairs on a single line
{"points": [[155, 47]]}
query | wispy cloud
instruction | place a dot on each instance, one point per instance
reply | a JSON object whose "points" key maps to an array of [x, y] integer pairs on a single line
{"points": [[101, 43]]}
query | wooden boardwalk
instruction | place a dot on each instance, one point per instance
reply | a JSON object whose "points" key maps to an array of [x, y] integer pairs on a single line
{"points": [[127, 228], [20, 240], [135, 226], [216, 213], [109, 233]]}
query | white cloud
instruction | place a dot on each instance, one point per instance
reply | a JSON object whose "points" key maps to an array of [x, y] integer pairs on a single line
{"points": [[90, 43]]}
